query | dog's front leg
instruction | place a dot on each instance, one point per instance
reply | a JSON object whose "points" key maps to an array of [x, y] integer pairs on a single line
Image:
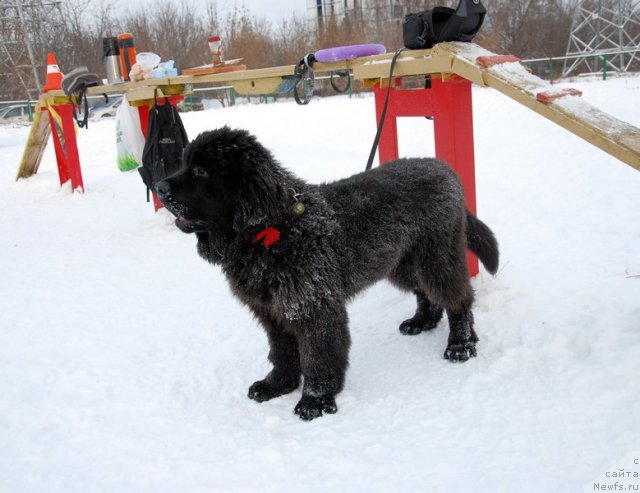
{"points": [[283, 354], [323, 342]]}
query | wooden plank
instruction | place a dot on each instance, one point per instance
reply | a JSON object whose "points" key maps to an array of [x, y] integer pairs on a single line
{"points": [[356, 62], [616, 137], [410, 63], [36, 143], [404, 66], [255, 74], [257, 87], [144, 93], [212, 69], [490, 60]]}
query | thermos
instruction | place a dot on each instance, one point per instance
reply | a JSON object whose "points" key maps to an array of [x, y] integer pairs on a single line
{"points": [[111, 58], [127, 54]]}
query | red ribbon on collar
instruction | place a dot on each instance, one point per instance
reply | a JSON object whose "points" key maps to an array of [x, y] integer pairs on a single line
{"points": [[269, 236]]}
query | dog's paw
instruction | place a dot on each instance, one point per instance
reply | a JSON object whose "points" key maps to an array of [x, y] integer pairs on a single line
{"points": [[460, 352], [264, 390], [415, 326], [311, 407]]}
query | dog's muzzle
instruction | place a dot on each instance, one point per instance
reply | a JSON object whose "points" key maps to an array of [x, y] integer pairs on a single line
{"points": [[163, 191]]}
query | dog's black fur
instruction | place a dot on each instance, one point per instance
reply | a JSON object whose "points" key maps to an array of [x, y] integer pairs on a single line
{"points": [[405, 221]]}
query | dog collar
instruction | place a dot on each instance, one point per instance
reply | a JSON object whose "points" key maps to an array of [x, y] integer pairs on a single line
{"points": [[268, 236], [271, 235]]}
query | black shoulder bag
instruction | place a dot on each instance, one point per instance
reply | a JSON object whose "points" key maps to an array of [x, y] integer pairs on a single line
{"points": [[166, 139]]}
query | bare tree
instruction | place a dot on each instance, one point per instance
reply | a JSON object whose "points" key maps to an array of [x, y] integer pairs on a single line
{"points": [[248, 37], [527, 28]]}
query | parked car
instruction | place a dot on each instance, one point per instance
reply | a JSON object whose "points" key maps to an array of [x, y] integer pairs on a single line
{"points": [[17, 113], [105, 110], [190, 106]]}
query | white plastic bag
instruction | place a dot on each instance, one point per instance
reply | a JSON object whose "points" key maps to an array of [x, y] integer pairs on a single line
{"points": [[129, 137]]}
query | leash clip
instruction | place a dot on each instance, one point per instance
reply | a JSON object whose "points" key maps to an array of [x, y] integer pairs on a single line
{"points": [[306, 79], [298, 208]]}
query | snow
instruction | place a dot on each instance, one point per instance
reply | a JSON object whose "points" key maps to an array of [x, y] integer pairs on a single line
{"points": [[125, 360]]}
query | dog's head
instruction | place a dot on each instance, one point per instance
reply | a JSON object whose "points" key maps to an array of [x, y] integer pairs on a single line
{"points": [[228, 181]]}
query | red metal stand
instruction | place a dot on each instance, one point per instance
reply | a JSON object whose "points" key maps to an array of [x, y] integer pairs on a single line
{"points": [[66, 146], [449, 103], [143, 112]]}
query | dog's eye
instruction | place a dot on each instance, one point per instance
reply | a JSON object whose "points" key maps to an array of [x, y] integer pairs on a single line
{"points": [[199, 171]]}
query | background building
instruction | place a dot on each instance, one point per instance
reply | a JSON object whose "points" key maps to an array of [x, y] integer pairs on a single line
{"points": [[319, 10]]}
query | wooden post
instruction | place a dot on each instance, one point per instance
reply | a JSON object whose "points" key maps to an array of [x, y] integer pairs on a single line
{"points": [[448, 102]]}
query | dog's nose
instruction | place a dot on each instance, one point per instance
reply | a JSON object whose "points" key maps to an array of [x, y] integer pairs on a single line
{"points": [[163, 188]]}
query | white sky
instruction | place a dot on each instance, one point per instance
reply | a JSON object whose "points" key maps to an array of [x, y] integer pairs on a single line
{"points": [[273, 10]]}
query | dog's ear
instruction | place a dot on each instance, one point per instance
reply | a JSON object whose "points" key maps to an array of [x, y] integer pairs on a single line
{"points": [[261, 197], [251, 175], [259, 181]]}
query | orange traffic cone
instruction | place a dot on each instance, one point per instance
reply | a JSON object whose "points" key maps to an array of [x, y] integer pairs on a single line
{"points": [[54, 76]]}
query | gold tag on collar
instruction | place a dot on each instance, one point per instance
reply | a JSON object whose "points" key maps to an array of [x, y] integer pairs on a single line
{"points": [[297, 209]]}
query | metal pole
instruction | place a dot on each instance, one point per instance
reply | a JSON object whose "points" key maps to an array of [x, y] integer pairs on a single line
{"points": [[598, 28], [27, 42], [17, 71], [620, 35]]}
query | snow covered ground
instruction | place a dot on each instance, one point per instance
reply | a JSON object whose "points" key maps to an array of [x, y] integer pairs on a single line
{"points": [[125, 361]]}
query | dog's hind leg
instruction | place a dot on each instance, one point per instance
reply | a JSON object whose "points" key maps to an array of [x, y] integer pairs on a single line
{"points": [[462, 337], [446, 281], [426, 317], [284, 355], [324, 342], [461, 344], [428, 314]]}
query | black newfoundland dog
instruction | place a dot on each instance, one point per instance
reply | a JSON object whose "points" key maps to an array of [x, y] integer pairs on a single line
{"points": [[295, 253]]}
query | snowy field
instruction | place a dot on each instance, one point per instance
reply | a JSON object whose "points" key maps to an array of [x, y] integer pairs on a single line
{"points": [[125, 361]]}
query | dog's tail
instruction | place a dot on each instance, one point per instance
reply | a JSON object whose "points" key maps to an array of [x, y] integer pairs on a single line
{"points": [[482, 242]]}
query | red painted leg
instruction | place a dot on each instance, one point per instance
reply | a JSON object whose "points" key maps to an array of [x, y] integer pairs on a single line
{"points": [[66, 147], [453, 125], [60, 146]]}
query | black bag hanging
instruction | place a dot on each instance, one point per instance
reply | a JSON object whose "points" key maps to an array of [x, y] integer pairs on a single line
{"points": [[440, 24], [166, 139]]}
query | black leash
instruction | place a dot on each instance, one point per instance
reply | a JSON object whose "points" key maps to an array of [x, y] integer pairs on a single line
{"points": [[84, 121], [376, 141]]}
